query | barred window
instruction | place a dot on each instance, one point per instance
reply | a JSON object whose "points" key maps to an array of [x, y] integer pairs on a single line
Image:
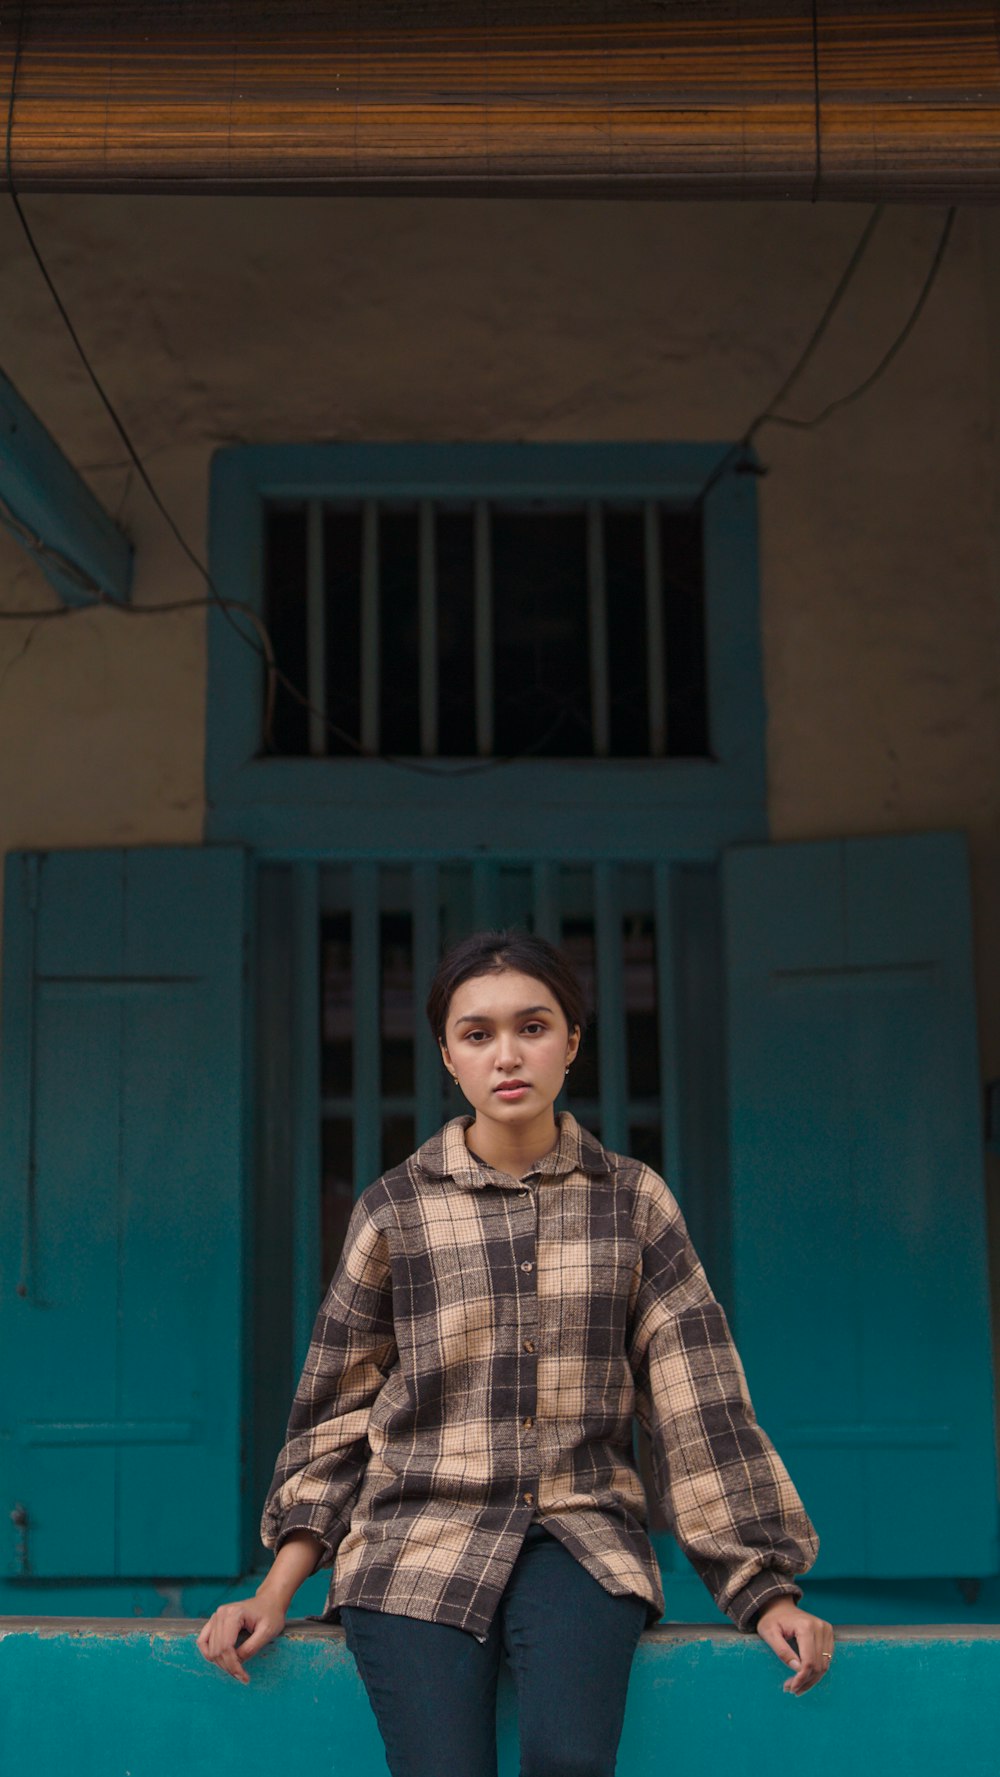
{"points": [[449, 628]]}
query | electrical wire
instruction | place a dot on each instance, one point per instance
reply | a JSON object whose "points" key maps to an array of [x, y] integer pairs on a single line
{"points": [[817, 132], [768, 416], [46, 552], [743, 443], [780, 419]]}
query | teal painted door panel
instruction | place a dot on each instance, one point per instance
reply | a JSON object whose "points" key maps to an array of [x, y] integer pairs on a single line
{"points": [[859, 1268], [123, 1137]]}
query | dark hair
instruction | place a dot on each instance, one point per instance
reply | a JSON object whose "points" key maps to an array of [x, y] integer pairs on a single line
{"points": [[490, 953]]}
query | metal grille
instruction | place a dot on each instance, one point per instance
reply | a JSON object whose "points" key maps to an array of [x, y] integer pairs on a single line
{"points": [[445, 628], [383, 1087]]}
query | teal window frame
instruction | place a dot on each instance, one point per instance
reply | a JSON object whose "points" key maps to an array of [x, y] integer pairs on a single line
{"points": [[316, 807]]}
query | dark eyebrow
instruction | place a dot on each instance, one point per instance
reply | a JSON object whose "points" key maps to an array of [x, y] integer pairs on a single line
{"points": [[484, 1017]]}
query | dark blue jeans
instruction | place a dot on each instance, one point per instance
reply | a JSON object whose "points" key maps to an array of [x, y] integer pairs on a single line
{"points": [[569, 1644]]}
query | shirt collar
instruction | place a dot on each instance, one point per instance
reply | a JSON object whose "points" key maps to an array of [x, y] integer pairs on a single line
{"points": [[445, 1155]]}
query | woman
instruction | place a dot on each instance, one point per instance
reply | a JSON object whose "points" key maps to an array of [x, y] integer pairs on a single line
{"points": [[459, 1449]]}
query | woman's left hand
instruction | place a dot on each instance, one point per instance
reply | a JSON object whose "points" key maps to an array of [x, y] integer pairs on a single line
{"points": [[781, 1624]]}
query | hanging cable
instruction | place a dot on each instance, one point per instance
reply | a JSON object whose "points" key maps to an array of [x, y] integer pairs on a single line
{"points": [[743, 443], [780, 419], [817, 132], [769, 417], [46, 552]]}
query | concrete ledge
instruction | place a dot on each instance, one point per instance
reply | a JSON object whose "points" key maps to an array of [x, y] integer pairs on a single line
{"points": [[96, 1696]]}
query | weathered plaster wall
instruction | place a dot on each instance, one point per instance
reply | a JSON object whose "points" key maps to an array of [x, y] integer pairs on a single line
{"points": [[216, 320]]}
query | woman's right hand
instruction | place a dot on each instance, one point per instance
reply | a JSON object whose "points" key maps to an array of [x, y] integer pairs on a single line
{"points": [[262, 1615]]}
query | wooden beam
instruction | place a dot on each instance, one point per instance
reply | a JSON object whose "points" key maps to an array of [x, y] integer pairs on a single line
{"points": [[50, 510], [894, 99]]}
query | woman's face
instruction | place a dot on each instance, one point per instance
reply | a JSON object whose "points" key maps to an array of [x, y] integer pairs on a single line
{"points": [[508, 1044]]}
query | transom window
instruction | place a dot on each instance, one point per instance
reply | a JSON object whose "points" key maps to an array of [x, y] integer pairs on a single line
{"points": [[536, 649]]}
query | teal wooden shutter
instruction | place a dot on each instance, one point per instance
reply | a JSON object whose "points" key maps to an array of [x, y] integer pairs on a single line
{"points": [[121, 1257], [860, 1293]]}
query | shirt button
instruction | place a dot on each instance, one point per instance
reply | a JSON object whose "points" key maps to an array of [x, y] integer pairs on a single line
{"points": [[529, 1499], [526, 1265], [529, 1344], [529, 1422]]}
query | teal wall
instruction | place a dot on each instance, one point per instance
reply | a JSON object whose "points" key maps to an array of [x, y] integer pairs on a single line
{"points": [[97, 1698]]}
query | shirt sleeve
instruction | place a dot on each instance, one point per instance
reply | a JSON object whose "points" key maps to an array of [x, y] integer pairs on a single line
{"points": [[352, 1349], [720, 1481]]}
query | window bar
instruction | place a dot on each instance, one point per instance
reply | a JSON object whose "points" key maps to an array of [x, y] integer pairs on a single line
{"points": [[484, 895], [366, 965], [315, 629], [613, 1082], [305, 1108], [369, 628], [598, 628], [428, 633], [545, 887], [667, 1026], [483, 629], [656, 662], [428, 1074]]}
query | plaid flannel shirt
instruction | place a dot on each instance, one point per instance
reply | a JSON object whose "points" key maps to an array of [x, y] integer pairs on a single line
{"points": [[476, 1364]]}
